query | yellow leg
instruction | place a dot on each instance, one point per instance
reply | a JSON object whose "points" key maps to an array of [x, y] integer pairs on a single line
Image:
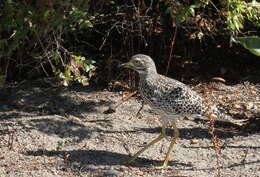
{"points": [[173, 141], [161, 136]]}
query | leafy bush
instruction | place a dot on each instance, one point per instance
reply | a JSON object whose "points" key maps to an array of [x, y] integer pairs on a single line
{"points": [[61, 38], [239, 11], [33, 35], [202, 13]]}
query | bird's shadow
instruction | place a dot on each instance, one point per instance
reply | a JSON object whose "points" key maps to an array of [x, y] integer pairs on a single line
{"points": [[84, 158], [99, 158]]}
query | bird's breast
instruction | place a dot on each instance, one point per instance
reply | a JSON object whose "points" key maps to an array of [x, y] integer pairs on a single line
{"points": [[153, 97]]}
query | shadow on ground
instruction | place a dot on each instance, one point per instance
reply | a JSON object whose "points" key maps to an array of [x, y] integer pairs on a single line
{"points": [[97, 157], [100, 158], [47, 101]]}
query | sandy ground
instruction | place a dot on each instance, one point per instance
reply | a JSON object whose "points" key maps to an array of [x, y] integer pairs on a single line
{"points": [[55, 131]]}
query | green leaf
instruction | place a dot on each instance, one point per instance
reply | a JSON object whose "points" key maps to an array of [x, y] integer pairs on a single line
{"points": [[86, 67], [87, 24], [251, 43], [191, 11]]}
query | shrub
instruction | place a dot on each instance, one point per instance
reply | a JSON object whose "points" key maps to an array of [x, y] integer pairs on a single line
{"points": [[33, 35]]}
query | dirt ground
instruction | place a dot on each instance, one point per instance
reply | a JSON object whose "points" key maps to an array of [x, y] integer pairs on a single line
{"points": [[55, 131]]}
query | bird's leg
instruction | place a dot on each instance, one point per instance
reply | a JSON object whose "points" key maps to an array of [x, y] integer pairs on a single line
{"points": [[173, 141], [161, 136]]}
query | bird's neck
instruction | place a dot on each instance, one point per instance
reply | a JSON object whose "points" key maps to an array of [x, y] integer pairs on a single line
{"points": [[148, 75]]}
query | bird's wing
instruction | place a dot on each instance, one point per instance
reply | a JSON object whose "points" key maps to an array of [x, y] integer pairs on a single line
{"points": [[177, 97]]}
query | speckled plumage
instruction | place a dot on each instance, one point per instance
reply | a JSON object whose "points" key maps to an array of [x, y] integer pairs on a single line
{"points": [[168, 97]]}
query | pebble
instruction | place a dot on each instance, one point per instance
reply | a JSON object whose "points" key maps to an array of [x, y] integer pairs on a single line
{"points": [[90, 167], [111, 172], [249, 105], [194, 141]]}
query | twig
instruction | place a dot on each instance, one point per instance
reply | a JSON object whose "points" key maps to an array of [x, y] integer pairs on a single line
{"points": [[172, 44], [12, 137], [112, 108], [215, 141], [149, 8], [142, 106], [108, 32], [244, 159]]}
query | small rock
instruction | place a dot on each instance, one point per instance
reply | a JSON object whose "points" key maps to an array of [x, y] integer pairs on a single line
{"points": [[140, 173], [249, 105], [111, 172], [90, 167], [194, 141], [75, 119], [237, 106]]}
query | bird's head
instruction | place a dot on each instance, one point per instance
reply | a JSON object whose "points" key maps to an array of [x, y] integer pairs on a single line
{"points": [[143, 64]]}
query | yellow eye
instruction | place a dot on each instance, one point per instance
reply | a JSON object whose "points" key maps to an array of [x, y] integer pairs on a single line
{"points": [[136, 62]]}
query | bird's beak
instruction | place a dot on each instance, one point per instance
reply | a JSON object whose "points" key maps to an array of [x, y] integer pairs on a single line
{"points": [[126, 65]]}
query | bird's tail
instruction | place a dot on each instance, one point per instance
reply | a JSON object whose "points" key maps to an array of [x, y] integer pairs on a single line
{"points": [[219, 113]]}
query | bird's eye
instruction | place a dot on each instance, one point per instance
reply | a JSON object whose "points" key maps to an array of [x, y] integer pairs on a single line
{"points": [[136, 62]]}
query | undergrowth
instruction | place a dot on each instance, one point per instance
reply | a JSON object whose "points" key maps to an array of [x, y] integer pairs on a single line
{"points": [[57, 38]]}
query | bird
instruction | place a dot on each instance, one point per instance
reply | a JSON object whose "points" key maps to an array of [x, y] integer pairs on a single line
{"points": [[169, 98]]}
